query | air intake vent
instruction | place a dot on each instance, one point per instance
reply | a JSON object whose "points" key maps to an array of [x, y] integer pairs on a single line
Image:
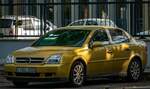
{"points": [[29, 60]]}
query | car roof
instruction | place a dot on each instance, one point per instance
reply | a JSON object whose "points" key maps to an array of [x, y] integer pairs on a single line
{"points": [[23, 17], [93, 19], [6, 19], [98, 19], [111, 23], [85, 27]]}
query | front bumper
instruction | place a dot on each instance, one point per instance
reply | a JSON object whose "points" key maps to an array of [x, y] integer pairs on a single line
{"points": [[43, 72]]}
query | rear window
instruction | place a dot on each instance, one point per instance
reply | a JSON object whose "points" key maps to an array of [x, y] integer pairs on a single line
{"points": [[6, 23]]}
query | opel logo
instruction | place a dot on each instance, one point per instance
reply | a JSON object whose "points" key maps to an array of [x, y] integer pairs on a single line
{"points": [[30, 60]]}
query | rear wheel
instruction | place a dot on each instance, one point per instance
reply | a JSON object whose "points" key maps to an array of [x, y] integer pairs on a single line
{"points": [[20, 84], [77, 74], [134, 70]]}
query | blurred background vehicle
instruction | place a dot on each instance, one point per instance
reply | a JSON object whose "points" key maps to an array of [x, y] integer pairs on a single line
{"points": [[93, 21], [143, 33], [7, 26], [24, 26]]}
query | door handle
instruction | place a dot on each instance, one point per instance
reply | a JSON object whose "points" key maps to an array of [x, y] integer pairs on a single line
{"points": [[127, 49], [109, 51]]}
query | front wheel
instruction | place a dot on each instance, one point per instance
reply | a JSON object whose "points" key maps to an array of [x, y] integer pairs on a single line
{"points": [[77, 74], [134, 70]]}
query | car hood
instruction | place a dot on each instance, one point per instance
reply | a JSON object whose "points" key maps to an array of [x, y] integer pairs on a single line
{"points": [[43, 51]]}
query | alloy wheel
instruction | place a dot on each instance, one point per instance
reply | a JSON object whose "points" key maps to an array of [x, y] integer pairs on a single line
{"points": [[134, 70], [77, 75]]}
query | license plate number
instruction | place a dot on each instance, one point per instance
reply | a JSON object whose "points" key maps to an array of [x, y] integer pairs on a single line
{"points": [[25, 70]]}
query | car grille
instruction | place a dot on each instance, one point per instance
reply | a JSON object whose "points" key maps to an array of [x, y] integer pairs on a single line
{"points": [[29, 60]]}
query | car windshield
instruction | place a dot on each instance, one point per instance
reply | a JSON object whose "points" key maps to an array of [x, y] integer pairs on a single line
{"points": [[63, 38], [5, 23]]}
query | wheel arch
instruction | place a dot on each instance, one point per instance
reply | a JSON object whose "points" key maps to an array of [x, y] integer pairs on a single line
{"points": [[81, 59], [125, 65], [130, 76], [137, 57], [71, 67]]}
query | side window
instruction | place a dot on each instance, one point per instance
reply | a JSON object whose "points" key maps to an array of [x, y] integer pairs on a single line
{"points": [[101, 36], [77, 23], [27, 25], [118, 36], [88, 22]]}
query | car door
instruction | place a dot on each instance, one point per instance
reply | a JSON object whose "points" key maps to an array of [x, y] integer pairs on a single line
{"points": [[121, 47], [99, 62]]}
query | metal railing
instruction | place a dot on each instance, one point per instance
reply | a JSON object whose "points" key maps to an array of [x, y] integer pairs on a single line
{"points": [[35, 19]]}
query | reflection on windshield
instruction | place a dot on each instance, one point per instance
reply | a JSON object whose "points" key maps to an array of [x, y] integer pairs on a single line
{"points": [[63, 38], [5, 23]]}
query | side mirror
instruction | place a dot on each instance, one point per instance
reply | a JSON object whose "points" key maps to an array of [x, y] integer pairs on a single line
{"points": [[97, 44]]}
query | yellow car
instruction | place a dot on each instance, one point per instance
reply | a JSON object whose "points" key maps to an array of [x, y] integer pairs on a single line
{"points": [[77, 53]]}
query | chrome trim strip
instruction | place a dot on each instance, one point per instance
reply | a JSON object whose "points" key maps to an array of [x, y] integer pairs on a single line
{"points": [[104, 60]]}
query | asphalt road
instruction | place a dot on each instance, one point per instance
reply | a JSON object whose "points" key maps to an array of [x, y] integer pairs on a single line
{"points": [[94, 84]]}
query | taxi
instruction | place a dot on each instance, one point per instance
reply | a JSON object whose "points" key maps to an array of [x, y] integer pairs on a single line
{"points": [[77, 53]]}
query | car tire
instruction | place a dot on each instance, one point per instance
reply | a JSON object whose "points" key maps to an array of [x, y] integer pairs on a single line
{"points": [[134, 72], [77, 74], [20, 84]]}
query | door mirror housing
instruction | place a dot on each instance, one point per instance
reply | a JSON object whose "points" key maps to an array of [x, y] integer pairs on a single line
{"points": [[97, 44]]}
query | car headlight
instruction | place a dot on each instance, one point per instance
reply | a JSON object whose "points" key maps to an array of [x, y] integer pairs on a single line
{"points": [[10, 59], [54, 59]]}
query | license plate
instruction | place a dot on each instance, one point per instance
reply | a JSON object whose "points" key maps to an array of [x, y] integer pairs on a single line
{"points": [[25, 70]]}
